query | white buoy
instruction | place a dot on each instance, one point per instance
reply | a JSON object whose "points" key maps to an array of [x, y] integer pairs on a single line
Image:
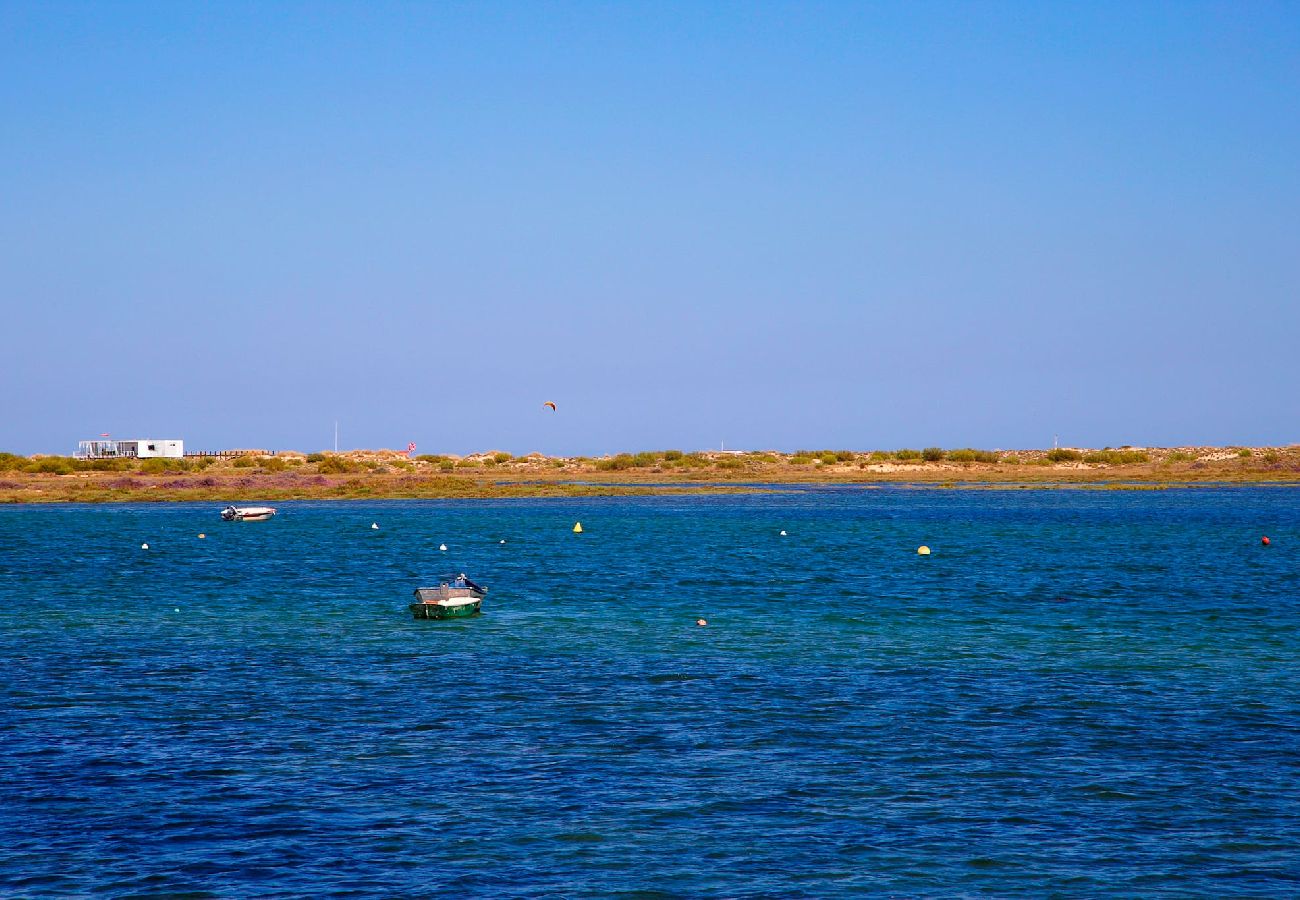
{"points": [[782, 534], [177, 609], [144, 546], [374, 525], [503, 541], [701, 622], [442, 546], [202, 535]]}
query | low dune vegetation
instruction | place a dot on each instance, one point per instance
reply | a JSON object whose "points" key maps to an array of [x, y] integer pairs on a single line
{"points": [[387, 473]]}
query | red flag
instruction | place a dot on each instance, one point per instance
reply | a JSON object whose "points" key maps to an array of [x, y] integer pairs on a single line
{"points": [[410, 448], [103, 434]]}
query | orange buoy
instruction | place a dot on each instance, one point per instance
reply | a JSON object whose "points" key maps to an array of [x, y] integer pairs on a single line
{"points": [[1265, 541]]}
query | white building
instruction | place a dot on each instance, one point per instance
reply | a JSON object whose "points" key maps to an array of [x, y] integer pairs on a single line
{"points": [[141, 449]]}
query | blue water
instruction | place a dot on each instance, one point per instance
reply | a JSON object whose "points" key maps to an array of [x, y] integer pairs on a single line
{"points": [[1081, 693]]}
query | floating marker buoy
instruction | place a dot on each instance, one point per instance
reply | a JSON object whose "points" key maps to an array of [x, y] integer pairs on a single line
{"points": [[374, 525], [1265, 541], [923, 550], [177, 609], [503, 541], [202, 535], [144, 546], [782, 534], [442, 546], [577, 528], [701, 622]]}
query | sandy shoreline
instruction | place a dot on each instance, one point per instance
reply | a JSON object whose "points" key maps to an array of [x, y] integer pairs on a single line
{"points": [[385, 474]]}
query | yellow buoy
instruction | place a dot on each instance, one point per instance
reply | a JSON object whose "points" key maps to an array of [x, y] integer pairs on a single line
{"points": [[577, 528], [923, 550]]}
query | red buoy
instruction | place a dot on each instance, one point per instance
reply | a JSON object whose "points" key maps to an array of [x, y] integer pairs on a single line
{"points": [[1265, 541]]}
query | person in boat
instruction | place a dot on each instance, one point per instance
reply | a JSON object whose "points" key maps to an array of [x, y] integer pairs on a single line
{"points": [[463, 582]]}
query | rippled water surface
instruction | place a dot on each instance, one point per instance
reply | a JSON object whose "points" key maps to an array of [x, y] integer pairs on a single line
{"points": [[1081, 693]]}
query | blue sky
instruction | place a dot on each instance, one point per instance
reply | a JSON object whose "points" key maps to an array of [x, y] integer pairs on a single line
{"points": [[861, 225]]}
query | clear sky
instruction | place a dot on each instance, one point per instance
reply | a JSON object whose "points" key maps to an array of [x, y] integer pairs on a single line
{"points": [[857, 225]]}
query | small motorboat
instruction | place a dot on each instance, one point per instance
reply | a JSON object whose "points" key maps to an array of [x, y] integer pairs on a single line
{"points": [[247, 513], [454, 598]]}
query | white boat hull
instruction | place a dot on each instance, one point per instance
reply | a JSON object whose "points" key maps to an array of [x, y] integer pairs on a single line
{"points": [[247, 513]]}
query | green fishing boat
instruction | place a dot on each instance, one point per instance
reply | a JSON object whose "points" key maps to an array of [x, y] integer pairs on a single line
{"points": [[453, 599]]}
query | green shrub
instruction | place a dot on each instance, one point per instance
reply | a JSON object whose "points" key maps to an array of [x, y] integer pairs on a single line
{"points": [[1061, 454], [616, 463], [970, 454], [446, 465], [335, 465], [10, 462], [274, 464], [800, 459], [642, 460], [673, 455], [315, 457], [51, 465], [880, 455], [932, 454], [828, 458], [1245, 452], [468, 464], [1271, 457], [907, 454], [729, 464], [1179, 456], [1116, 457], [501, 457]]}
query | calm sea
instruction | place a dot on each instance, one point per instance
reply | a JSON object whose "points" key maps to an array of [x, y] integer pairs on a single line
{"points": [[1079, 694]]}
